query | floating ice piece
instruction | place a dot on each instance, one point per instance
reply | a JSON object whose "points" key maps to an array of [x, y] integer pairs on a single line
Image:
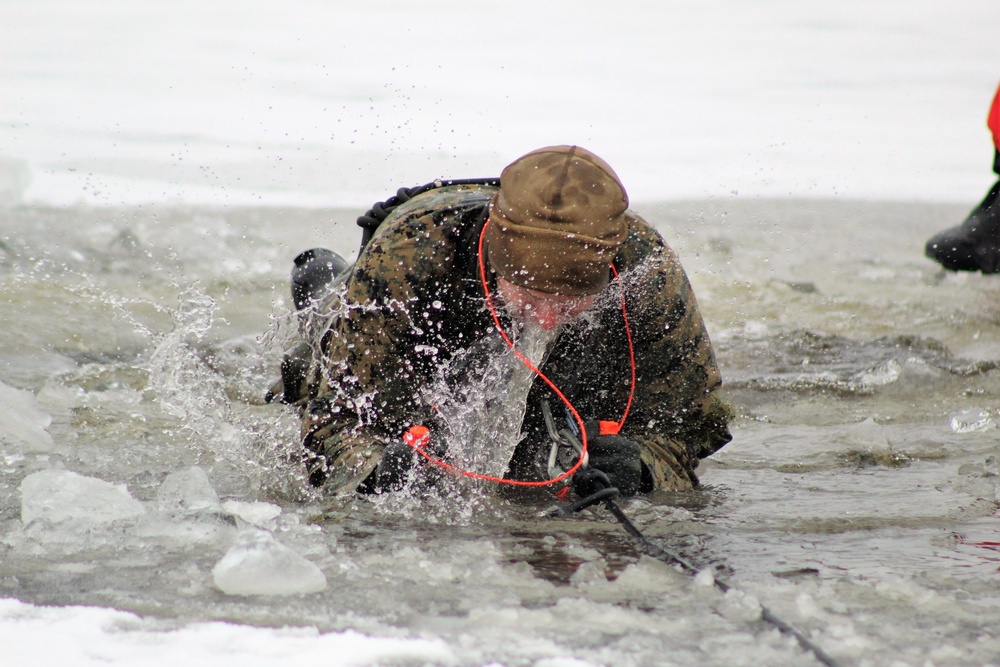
{"points": [[188, 491], [257, 564], [973, 419], [737, 605], [58, 495], [21, 420], [879, 376], [705, 578], [256, 513]]}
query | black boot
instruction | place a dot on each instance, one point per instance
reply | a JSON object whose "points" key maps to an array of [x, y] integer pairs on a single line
{"points": [[314, 270], [975, 244]]}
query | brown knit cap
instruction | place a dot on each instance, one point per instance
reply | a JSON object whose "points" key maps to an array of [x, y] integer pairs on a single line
{"points": [[557, 221]]}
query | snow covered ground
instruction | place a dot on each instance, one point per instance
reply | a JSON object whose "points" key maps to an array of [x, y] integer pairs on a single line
{"points": [[336, 103]]}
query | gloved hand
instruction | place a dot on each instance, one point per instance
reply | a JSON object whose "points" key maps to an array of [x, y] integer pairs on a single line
{"points": [[393, 468], [615, 456], [398, 460]]}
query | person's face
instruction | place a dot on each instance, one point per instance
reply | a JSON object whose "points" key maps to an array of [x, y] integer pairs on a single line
{"points": [[545, 309]]}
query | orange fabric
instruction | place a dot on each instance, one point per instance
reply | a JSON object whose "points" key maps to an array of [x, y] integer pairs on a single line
{"points": [[609, 428], [994, 119], [417, 436]]}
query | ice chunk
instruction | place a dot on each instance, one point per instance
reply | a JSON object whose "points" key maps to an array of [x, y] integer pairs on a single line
{"points": [[739, 606], [209, 531], [705, 578], [974, 419], [256, 513], [21, 420], [870, 434], [188, 491], [58, 495], [257, 564], [879, 376]]}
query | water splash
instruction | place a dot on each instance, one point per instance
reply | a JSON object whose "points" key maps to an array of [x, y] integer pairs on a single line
{"points": [[481, 397], [262, 447], [482, 416]]}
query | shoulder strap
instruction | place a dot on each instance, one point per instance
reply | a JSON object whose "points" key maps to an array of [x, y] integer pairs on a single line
{"points": [[377, 214]]}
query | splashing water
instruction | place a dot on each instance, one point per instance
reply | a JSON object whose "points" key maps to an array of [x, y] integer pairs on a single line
{"points": [[483, 414], [262, 447], [175, 370]]}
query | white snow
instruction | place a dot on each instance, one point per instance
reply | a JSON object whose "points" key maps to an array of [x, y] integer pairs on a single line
{"points": [[83, 636], [340, 103]]}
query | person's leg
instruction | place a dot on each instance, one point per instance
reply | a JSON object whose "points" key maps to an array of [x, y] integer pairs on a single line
{"points": [[975, 244]]}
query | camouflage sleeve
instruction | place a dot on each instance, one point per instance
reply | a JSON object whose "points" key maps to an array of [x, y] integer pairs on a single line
{"points": [[677, 415], [377, 354], [339, 453]]}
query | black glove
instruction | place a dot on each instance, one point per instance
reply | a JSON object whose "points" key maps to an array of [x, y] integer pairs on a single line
{"points": [[615, 456], [395, 468], [392, 471]]}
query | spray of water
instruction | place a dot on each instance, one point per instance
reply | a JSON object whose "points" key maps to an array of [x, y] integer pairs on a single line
{"points": [[482, 416], [481, 397], [261, 446]]}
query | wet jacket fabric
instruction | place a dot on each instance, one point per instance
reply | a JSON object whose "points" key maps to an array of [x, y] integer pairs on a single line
{"points": [[414, 304]]}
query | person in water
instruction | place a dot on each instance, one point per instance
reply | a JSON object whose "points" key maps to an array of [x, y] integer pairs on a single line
{"points": [[460, 272], [974, 245]]}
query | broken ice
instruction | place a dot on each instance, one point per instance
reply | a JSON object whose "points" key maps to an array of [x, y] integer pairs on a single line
{"points": [[58, 495], [970, 420], [188, 491], [257, 564], [21, 420]]}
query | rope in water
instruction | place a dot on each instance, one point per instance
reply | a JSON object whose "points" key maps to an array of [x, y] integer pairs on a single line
{"points": [[607, 495]]}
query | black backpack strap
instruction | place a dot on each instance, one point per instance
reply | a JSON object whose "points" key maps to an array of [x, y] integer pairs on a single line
{"points": [[377, 214]]}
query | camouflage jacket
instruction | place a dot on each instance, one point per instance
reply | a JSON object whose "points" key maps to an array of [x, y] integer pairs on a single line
{"points": [[415, 301]]}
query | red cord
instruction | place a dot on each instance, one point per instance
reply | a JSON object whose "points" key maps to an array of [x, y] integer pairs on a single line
{"points": [[419, 440]]}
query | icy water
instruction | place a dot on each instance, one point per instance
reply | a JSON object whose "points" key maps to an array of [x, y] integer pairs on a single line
{"points": [[858, 499]]}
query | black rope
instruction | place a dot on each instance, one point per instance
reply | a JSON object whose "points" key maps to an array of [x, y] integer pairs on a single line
{"points": [[376, 215], [607, 496]]}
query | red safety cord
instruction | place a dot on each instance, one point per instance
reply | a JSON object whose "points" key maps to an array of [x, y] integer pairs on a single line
{"points": [[418, 436]]}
